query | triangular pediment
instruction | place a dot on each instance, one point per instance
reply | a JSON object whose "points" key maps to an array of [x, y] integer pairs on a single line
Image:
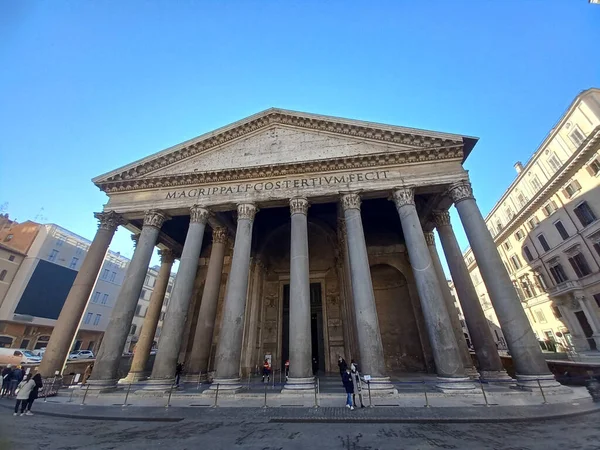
{"points": [[276, 139]]}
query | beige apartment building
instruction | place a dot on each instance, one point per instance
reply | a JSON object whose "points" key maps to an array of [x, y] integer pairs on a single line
{"points": [[547, 231]]}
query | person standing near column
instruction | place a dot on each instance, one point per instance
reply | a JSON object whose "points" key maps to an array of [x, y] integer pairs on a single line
{"points": [[70, 316], [232, 326], [527, 356], [173, 325], [446, 354], [300, 343], [115, 336]]}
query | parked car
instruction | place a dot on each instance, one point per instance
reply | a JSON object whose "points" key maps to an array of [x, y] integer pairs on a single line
{"points": [[81, 354], [39, 352], [16, 356]]}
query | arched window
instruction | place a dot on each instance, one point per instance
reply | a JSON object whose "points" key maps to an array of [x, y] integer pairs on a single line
{"points": [[42, 342], [6, 341], [3, 275]]}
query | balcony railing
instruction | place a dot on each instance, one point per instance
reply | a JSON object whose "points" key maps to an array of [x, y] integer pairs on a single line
{"points": [[564, 288]]}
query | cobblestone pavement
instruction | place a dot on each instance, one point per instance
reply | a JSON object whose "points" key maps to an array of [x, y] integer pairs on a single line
{"points": [[44, 432]]}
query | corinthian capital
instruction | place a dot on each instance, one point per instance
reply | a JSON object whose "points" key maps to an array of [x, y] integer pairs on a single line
{"points": [[155, 218], [299, 205], [246, 211], [167, 256], [109, 220], [461, 190], [198, 214], [429, 237], [441, 218], [219, 235], [404, 196], [351, 201]]}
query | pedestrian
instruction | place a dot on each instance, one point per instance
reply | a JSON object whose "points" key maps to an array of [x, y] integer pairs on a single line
{"points": [[287, 369], [87, 373], [25, 388], [16, 378], [6, 377], [38, 384], [178, 372], [266, 370], [356, 384], [349, 386], [342, 365]]}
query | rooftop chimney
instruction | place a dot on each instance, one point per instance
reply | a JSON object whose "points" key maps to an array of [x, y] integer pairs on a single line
{"points": [[519, 166]]}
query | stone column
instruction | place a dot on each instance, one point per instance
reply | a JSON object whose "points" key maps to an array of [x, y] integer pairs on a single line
{"points": [[115, 336], [198, 361], [173, 325], [449, 301], [300, 343], [68, 321], [229, 349], [490, 364], [367, 323], [144, 344], [524, 348], [446, 354]]}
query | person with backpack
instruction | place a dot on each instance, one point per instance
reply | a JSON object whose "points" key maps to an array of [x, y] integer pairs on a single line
{"points": [[16, 378], [266, 370]]}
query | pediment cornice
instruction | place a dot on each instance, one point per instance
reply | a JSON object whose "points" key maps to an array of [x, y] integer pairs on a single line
{"points": [[417, 146]]}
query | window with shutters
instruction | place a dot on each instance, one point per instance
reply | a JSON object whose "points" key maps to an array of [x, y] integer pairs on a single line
{"points": [[561, 229], [594, 166], [550, 208], [533, 222], [133, 329], [526, 288], [507, 245], [541, 281], [580, 265], [572, 188], [558, 273], [539, 314], [519, 235], [576, 137], [554, 162], [543, 242], [527, 253], [516, 262], [556, 312], [521, 199], [535, 183], [584, 213], [138, 310]]}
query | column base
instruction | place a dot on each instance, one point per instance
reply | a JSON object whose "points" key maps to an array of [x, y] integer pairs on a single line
{"points": [[379, 386], [547, 382], [496, 376], [133, 377], [194, 378], [472, 373], [454, 385], [102, 385], [226, 386], [161, 384], [299, 385]]}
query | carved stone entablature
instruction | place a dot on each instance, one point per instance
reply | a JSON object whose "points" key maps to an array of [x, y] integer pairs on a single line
{"points": [[595, 237], [573, 250], [199, 214], [109, 220], [429, 238], [403, 196], [350, 200], [422, 146], [155, 218], [219, 235], [460, 191], [299, 205], [166, 256], [246, 211], [441, 218], [553, 261]]}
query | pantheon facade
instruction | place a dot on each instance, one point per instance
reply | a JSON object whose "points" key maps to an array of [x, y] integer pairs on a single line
{"points": [[302, 237]]}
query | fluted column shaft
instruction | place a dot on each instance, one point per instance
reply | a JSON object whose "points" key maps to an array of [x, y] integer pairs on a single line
{"points": [[300, 342], [524, 348], [70, 316], [367, 323], [144, 344], [198, 362], [229, 348], [441, 336], [490, 364], [173, 325], [449, 301], [115, 336]]}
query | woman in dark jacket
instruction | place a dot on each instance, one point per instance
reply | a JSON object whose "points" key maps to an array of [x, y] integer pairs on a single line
{"points": [[37, 378], [342, 366], [349, 386]]}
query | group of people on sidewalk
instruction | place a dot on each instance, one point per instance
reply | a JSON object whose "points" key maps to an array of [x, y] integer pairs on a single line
{"points": [[352, 382], [11, 379], [24, 386]]}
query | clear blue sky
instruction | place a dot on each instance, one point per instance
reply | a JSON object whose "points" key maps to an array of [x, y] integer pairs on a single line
{"points": [[88, 86]]}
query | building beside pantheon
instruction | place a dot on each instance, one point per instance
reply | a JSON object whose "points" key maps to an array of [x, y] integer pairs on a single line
{"points": [[303, 237]]}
